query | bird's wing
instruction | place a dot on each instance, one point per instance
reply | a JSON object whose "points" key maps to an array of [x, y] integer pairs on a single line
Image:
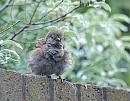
{"points": [[40, 43]]}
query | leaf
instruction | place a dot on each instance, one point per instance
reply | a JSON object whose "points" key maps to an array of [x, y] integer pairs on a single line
{"points": [[106, 6], [64, 28], [18, 45], [120, 17], [69, 33], [125, 38], [1, 41], [85, 1], [127, 45], [74, 0], [121, 26], [2, 61], [103, 5], [12, 52], [10, 42]]}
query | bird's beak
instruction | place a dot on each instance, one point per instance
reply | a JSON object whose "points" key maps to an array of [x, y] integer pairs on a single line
{"points": [[58, 39]]}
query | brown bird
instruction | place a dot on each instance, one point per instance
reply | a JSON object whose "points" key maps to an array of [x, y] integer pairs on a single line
{"points": [[50, 56]]}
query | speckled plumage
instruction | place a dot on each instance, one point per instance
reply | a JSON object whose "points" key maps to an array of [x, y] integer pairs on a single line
{"points": [[50, 56]]}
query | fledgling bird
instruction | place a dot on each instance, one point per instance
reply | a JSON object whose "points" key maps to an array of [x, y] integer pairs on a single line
{"points": [[50, 56]]}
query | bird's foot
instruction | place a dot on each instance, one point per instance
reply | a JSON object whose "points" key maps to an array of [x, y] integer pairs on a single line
{"points": [[61, 79], [49, 77]]}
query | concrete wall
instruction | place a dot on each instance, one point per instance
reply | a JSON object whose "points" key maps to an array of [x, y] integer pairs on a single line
{"points": [[21, 87]]}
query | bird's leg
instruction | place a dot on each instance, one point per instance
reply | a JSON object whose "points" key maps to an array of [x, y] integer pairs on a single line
{"points": [[61, 79], [49, 76], [42, 74]]}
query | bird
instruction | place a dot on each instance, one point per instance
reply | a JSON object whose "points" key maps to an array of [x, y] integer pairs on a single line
{"points": [[50, 55]]}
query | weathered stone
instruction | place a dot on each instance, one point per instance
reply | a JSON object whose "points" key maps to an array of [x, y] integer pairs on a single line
{"points": [[35, 88], [10, 86], [64, 91], [91, 93], [22, 87], [116, 94]]}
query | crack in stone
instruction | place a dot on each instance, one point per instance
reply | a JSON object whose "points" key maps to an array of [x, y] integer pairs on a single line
{"points": [[78, 92], [23, 88], [104, 94], [128, 95], [51, 89], [0, 93]]}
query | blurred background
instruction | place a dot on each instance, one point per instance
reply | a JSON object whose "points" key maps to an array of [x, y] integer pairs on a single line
{"points": [[97, 33]]}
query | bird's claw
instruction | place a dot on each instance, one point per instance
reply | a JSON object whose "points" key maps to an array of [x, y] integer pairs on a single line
{"points": [[62, 80], [49, 77]]}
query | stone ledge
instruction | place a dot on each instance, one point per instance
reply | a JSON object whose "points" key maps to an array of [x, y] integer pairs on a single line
{"points": [[22, 87]]}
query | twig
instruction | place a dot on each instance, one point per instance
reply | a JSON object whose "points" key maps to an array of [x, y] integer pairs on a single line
{"points": [[11, 15], [50, 21], [27, 25], [51, 10], [21, 30], [45, 25], [5, 5], [34, 12], [25, 2], [56, 18], [10, 27], [21, 4]]}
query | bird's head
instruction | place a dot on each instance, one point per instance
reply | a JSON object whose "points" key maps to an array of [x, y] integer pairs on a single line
{"points": [[55, 39]]}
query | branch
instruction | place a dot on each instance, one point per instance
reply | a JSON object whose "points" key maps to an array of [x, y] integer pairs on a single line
{"points": [[10, 27], [50, 21], [34, 12], [56, 18], [21, 30], [5, 5], [51, 10], [27, 25], [45, 25]]}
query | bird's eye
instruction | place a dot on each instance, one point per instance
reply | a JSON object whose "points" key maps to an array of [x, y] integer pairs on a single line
{"points": [[52, 37]]}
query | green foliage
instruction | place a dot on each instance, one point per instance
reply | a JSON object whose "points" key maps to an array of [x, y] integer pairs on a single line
{"points": [[8, 55], [94, 36], [99, 50]]}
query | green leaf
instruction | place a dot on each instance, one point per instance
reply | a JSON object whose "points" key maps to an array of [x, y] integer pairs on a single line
{"points": [[106, 6], [127, 45], [103, 5], [69, 33], [1, 41], [18, 45], [10, 42], [64, 28], [12, 52], [121, 17], [121, 26], [85, 1], [125, 38], [74, 0], [2, 61]]}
